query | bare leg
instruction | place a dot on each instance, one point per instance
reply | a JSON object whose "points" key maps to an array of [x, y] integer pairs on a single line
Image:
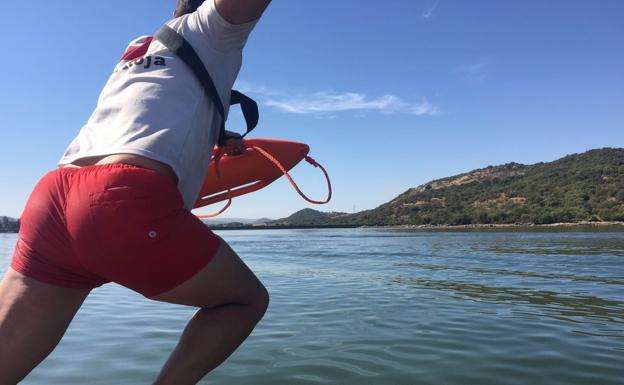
{"points": [[33, 318], [232, 301]]}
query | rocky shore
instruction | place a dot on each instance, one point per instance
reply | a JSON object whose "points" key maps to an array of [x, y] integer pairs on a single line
{"points": [[578, 226], [563, 226]]}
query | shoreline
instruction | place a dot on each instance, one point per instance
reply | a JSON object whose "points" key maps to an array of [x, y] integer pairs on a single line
{"points": [[560, 226], [571, 226], [616, 226]]}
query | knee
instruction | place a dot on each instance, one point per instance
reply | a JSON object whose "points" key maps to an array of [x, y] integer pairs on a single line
{"points": [[256, 302], [261, 300]]}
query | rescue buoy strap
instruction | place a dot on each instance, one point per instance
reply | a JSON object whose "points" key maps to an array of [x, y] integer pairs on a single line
{"points": [[181, 48], [249, 108]]}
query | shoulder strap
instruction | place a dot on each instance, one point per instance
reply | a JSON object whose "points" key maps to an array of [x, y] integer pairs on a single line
{"points": [[181, 48]]}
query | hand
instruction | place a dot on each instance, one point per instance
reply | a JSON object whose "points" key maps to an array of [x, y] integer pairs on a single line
{"points": [[235, 144], [241, 11]]}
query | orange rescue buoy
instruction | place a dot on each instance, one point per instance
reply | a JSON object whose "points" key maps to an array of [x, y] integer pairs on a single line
{"points": [[261, 163]]}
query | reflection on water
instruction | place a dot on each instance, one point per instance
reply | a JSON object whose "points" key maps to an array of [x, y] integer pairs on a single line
{"points": [[384, 307], [572, 277], [550, 303]]}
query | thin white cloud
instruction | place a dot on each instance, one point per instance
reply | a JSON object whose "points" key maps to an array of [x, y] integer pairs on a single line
{"points": [[429, 13], [424, 108], [252, 88], [329, 104], [325, 102]]}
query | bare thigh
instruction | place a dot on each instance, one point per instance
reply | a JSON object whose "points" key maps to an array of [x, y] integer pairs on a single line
{"points": [[225, 280], [33, 318]]}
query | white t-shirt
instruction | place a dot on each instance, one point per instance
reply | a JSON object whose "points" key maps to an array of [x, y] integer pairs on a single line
{"points": [[154, 106]]}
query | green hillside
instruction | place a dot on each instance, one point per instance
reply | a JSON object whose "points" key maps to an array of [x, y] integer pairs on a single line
{"points": [[306, 217], [579, 187], [576, 188]]}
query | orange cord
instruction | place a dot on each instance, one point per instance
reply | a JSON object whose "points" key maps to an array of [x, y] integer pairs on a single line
{"points": [[276, 162], [218, 156], [292, 182]]}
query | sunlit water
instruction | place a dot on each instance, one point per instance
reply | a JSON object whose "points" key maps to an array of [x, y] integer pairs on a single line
{"points": [[383, 307]]}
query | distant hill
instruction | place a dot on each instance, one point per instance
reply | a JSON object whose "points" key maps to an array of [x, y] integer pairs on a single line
{"points": [[9, 225], [224, 221], [578, 187], [307, 217]]}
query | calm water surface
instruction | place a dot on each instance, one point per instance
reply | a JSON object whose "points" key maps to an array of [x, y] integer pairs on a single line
{"points": [[383, 307]]}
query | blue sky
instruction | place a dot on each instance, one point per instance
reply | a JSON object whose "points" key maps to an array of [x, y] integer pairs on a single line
{"points": [[388, 95]]}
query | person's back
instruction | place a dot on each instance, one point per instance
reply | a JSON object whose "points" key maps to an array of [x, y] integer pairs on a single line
{"points": [[117, 210], [154, 106]]}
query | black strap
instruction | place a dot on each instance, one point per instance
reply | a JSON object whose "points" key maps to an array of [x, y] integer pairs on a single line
{"points": [[249, 108], [181, 48]]}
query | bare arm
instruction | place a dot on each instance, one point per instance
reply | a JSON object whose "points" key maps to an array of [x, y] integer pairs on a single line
{"points": [[241, 11]]}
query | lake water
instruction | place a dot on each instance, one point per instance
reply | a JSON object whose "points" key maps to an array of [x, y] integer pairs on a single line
{"points": [[383, 307]]}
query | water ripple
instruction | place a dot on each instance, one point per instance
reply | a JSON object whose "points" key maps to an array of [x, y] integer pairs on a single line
{"points": [[383, 307]]}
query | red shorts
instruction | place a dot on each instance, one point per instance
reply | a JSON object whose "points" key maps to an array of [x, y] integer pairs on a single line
{"points": [[83, 227]]}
